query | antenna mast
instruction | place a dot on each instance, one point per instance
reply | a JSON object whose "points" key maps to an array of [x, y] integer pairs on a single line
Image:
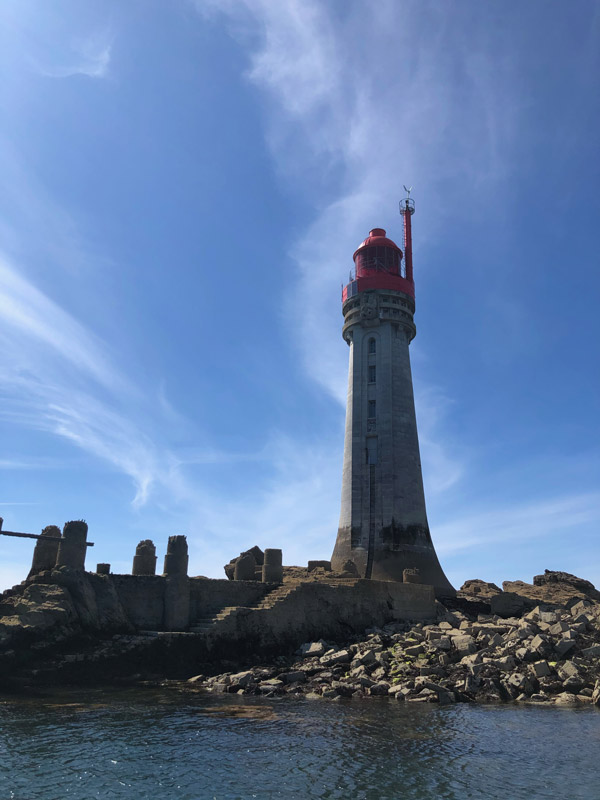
{"points": [[407, 209]]}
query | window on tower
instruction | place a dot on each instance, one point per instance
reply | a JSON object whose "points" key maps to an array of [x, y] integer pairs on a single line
{"points": [[372, 409], [372, 373], [372, 346]]}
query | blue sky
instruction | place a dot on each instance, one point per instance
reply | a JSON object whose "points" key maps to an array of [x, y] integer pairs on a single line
{"points": [[184, 185]]}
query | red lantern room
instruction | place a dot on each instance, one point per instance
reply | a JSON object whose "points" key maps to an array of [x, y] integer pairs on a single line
{"points": [[377, 254], [379, 265]]}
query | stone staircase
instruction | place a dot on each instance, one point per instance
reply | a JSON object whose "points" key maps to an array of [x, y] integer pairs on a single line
{"points": [[212, 618]]}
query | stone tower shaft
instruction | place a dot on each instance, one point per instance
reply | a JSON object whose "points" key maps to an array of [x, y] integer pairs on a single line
{"points": [[383, 525]]}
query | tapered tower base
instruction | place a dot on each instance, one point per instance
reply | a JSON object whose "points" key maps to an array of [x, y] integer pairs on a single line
{"points": [[414, 550]]}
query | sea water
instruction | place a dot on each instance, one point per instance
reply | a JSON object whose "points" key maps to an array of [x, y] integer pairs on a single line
{"points": [[164, 744]]}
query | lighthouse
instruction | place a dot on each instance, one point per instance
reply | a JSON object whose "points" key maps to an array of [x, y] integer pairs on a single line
{"points": [[383, 525]]}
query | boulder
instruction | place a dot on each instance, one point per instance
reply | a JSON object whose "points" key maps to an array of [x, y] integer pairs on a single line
{"points": [[509, 604], [551, 577], [255, 552], [479, 589]]}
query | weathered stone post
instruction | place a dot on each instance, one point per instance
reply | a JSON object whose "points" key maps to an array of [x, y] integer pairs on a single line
{"points": [[102, 569], [144, 560], [177, 590], [272, 571], [72, 547], [176, 560], [244, 569], [46, 550], [412, 575]]}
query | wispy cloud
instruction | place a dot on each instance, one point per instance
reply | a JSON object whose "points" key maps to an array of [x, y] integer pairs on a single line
{"points": [[348, 133], [55, 375], [519, 523], [89, 56]]}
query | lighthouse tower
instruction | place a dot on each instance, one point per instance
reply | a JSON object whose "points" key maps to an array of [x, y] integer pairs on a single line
{"points": [[383, 522]]}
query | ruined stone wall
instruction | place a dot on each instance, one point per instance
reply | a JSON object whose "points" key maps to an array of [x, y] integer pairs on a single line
{"points": [[326, 611], [207, 594], [142, 598]]}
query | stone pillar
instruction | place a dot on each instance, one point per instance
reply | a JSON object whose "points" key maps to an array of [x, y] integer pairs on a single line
{"points": [[244, 569], [46, 550], [72, 547], [176, 560], [103, 569], [144, 560], [272, 571], [177, 590], [411, 575]]}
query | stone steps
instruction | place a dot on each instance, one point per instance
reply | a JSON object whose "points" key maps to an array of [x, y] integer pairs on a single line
{"points": [[211, 619], [208, 622]]}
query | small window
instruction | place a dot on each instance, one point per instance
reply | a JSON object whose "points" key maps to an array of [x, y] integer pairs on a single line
{"points": [[372, 346], [372, 409], [372, 373]]}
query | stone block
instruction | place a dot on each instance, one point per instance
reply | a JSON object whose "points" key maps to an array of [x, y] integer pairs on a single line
{"points": [[272, 573], [414, 650], [242, 678], [464, 644], [313, 649], [244, 568], [379, 689], [558, 628], [541, 645], [563, 647], [103, 569], [326, 565], [341, 657], [520, 683], [368, 657], [568, 670], [297, 676], [506, 663], [508, 604], [540, 669], [591, 652], [573, 684]]}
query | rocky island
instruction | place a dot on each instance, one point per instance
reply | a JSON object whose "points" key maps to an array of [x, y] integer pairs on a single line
{"points": [[271, 630]]}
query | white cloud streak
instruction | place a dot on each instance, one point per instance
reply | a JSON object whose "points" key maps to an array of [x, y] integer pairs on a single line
{"points": [[58, 377], [542, 518], [89, 57]]}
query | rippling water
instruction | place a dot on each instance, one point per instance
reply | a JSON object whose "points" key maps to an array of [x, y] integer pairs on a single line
{"points": [[162, 745]]}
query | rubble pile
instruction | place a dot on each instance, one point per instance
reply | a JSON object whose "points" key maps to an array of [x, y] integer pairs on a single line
{"points": [[547, 655]]}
